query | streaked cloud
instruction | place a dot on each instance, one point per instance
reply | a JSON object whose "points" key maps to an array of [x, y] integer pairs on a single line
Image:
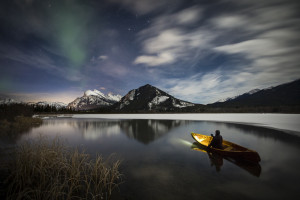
{"points": [[170, 38], [156, 60], [269, 42], [260, 42], [230, 21], [103, 57], [197, 88]]}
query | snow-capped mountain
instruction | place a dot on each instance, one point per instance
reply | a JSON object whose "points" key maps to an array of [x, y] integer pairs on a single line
{"points": [[148, 98], [93, 99]]}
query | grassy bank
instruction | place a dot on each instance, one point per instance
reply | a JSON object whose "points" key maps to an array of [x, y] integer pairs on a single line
{"points": [[44, 170], [16, 119], [17, 126]]}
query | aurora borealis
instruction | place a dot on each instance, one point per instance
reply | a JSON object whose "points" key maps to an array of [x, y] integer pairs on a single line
{"points": [[199, 51]]}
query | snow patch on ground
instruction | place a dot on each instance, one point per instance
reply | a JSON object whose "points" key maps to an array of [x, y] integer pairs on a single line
{"points": [[289, 122]]}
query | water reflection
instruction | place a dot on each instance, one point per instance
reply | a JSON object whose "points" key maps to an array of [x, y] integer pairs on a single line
{"points": [[92, 130], [10, 132], [147, 131], [143, 131], [217, 161]]}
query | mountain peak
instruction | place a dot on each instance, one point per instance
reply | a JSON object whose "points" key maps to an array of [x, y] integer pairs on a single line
{"points": [[147, 98], [92, 99], [93, 93], [147, 86]]}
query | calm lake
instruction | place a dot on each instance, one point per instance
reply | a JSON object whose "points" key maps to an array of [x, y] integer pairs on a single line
{"points": [[159, 163]]}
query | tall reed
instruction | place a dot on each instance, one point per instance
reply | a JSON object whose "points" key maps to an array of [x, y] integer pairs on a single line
{"points": [[50, 170]]}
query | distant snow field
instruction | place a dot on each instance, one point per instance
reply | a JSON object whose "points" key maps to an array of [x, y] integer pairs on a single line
{"points": [[289, 122]]}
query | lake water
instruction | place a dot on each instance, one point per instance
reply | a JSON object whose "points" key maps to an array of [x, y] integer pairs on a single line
{"points": [[159, 163]]}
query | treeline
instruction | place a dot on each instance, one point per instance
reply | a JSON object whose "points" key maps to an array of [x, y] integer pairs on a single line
{"points": [[194, 109], [208, 109], [254, 109], [51, 109], [11, 111]]}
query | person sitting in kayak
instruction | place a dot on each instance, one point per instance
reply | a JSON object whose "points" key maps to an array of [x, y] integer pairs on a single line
{"points": [[216, 141]]}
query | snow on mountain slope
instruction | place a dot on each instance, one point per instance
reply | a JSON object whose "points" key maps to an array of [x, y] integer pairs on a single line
{"points": [[157, 100], [232, 98], [253, 91], [148, 98], [93, 99], [114, 97], [288, 122], [94, 93], [9, 101], [57, 105]]}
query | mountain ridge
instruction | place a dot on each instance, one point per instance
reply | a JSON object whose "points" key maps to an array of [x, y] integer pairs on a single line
{"points": [[287, 94], [149, 98], [234, 97]]}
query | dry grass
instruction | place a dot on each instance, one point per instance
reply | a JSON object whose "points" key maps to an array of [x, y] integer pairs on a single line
{"points": [[43, 170], [20, 124]]}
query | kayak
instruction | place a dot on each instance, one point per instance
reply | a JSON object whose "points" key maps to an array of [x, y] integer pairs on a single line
{"points": [[229, 149]]}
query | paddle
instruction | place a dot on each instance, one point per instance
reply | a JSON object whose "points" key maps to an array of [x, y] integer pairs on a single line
{"points": [[209, 145]]}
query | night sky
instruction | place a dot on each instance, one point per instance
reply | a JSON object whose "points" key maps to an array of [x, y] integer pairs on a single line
{"points": [[199, 51]]}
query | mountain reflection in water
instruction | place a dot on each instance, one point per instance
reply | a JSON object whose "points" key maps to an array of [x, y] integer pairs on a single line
{"points": [[92, 130], [144, 131]]}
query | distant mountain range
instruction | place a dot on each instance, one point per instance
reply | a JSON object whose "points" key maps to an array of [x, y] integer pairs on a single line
{"points": [[232, 98], [57, 105], [287, 94], [9, 101], [151, 99]]}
